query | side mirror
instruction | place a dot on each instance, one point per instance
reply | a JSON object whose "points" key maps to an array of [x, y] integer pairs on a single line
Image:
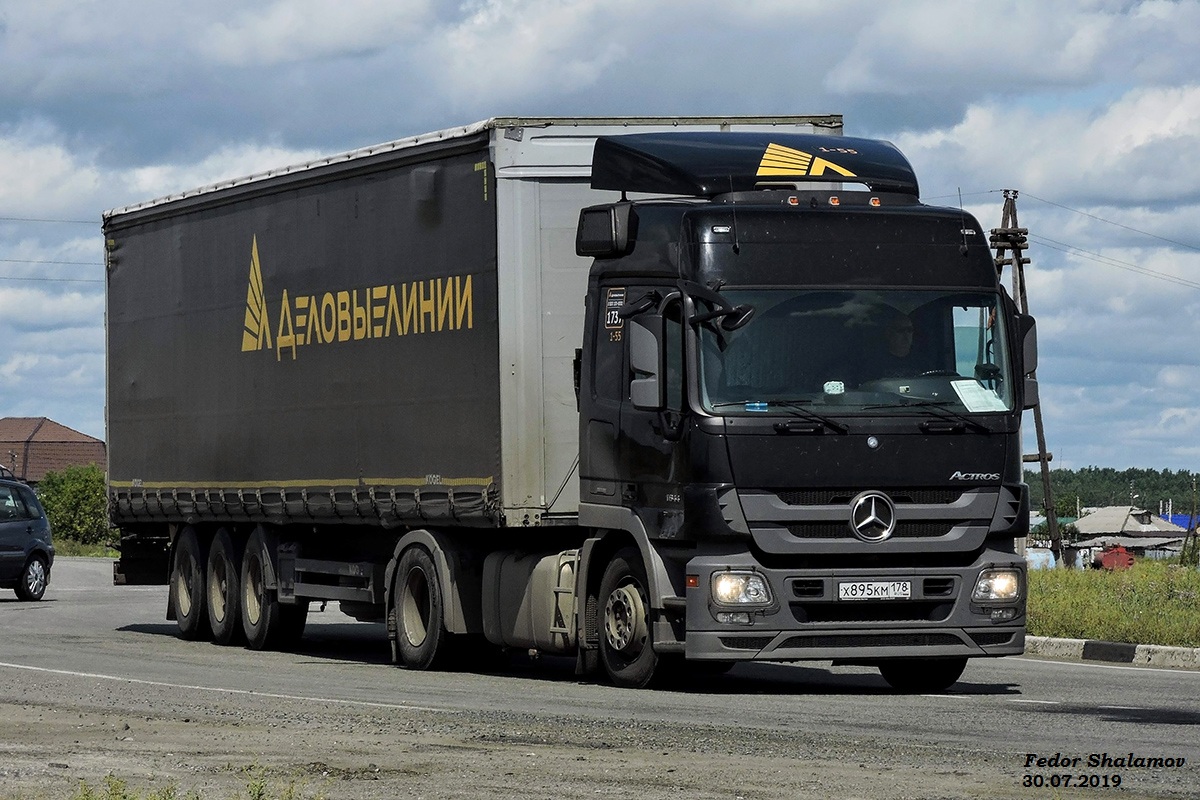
{"points": [[1027, 329], [646, 390], [604, 231]]}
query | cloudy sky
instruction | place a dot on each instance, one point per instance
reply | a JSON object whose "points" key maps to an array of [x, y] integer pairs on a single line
{"points": [[1090, 109]]}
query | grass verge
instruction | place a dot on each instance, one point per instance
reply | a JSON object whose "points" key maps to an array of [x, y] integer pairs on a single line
{"points": [[1150, 603], [70, 547]]}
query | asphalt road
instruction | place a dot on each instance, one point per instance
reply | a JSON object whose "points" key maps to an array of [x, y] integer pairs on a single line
{"points": [[93, 682]]}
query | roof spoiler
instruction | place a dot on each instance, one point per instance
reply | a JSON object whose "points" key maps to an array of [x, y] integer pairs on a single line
{"points": [[706, 164]]}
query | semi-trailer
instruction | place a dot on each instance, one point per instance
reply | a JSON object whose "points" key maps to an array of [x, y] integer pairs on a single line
{"points": [[650, 392]]}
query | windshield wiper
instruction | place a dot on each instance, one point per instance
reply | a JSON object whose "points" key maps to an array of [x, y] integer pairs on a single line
{"points": [[795, 407], [928, 407]]}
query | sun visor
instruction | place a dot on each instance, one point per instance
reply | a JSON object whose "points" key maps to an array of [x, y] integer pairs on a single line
{"points": [[705, 164]]}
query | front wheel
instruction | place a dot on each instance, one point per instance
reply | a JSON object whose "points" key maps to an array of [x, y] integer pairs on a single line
{"points": [[921, 675], [626, 646], [34, 579]]}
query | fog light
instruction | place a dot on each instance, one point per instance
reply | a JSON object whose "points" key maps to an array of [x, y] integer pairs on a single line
{"points": [[734, 616], [998, 584], [1003, 614], [740, 589]]}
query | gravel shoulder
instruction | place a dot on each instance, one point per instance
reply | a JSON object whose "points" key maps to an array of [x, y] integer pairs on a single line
{"points": [[153, 736]]}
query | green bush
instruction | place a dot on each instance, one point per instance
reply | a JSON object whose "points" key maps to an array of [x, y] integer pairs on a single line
{"points": [[1151, 603], [76, 504]]}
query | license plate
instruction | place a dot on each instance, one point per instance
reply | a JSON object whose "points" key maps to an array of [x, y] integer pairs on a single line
{"points": [[875, 590]]}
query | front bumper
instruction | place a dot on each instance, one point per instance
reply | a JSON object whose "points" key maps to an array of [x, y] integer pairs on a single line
{"points": [[807, 621]]}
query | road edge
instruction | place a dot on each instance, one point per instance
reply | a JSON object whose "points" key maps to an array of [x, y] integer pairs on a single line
{"points": [[1146, 655]]}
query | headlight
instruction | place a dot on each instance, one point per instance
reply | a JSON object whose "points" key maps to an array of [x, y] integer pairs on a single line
{"points": [[998, 584], [740, 589]]}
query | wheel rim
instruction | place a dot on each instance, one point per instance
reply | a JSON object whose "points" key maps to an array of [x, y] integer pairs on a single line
{"points": [[416, 606], [252, 597], [218, 588], [35, 577], [625, 620], [183, 584]]}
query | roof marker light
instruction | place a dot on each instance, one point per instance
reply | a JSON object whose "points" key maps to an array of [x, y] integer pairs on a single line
{"points": [[793, 201], [875, 202], [835, 201]]}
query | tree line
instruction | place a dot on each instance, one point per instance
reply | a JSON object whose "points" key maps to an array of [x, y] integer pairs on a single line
{"points": [[1105, 486]]}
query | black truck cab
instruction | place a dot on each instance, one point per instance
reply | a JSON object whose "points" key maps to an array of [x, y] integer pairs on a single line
{"points": [[809, 397]]}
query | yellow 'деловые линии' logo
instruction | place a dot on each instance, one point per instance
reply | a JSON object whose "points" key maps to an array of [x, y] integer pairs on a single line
{"points": [[373, 312]]}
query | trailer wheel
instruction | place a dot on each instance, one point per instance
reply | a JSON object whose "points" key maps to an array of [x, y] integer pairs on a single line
{"points": [[913, 675], [187, 579], [626, 647], [267, 623], [224, 578], [422, 641]]}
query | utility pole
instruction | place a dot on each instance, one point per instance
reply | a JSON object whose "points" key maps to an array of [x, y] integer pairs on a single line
{"points": [[1010, 236], [1190, 554]]}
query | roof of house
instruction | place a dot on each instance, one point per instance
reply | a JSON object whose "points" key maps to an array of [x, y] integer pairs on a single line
{"points": [[33, 446], [1133, 542], [1126, 521]]}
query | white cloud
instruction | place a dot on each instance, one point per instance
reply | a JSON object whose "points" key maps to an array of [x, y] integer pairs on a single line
{"points": [[299, 30], [230, 162]]}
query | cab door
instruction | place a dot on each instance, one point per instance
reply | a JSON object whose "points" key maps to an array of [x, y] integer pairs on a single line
{"points": [[602, 394], [652, 449]]}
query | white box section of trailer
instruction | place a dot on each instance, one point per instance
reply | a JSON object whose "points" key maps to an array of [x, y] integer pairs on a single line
{"points": [[543, 173]]}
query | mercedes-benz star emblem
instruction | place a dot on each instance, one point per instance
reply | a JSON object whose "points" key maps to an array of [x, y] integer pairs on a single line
{"points": [[872, 516]]}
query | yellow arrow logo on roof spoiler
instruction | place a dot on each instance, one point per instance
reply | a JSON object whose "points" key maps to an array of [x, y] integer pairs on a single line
{"points": [[780, 161]]}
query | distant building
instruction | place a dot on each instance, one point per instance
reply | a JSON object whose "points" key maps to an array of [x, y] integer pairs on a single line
{"points": [[1137, 530], [33, 446]]}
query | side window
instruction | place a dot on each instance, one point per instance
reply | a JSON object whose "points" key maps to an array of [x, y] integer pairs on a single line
{"points": [[32, 507], [10, 506], [609, 379]]}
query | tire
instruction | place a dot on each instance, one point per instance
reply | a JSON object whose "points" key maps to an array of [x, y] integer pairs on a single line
{"points": [[626, 645], [922, 675], [267, 623], [34, 579], [421, 640], [187, 586], [224, 580]]}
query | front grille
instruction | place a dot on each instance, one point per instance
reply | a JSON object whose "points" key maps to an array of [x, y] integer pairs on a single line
{"points": [[842, 497], [992, 638], [874, 640], [938, 587], [841, 530], [873, 611], [746, 642]]}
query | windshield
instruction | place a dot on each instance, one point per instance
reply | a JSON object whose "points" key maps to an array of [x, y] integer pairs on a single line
{"points": [[855, 350]]}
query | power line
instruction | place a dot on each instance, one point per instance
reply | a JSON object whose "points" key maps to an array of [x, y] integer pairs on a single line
{"points": [[1100, 258], [69, 263], [53, 280], [1111, 222], [63, 221]]}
